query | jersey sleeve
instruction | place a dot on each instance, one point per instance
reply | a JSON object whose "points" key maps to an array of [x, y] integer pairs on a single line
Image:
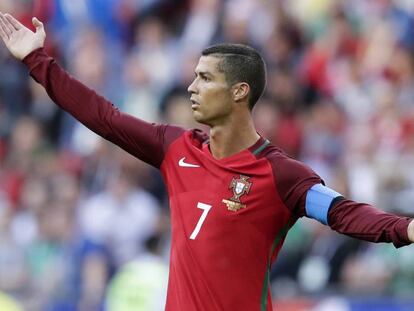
{"points": [[296, 182], [366, 222], [146, 141], [293, 179]]}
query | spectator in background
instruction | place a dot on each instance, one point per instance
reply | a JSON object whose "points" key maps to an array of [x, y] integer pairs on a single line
{"points": [[8, 303], [140, 95], [201, 25], [121, 217], [62, 257], [13, 269], [141, 283]]}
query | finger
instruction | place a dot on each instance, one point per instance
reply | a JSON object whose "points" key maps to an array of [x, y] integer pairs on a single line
{"points": [[40, 29], [14, 22], [7, 24], [3, 26], [38, 24], [3, 35]]}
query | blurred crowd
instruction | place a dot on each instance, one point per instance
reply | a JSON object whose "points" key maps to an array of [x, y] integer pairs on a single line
{"points": [[84, 226]]}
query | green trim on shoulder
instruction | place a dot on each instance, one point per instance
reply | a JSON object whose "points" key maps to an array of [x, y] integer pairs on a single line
{"points": [[280, 235], [262, 147]]}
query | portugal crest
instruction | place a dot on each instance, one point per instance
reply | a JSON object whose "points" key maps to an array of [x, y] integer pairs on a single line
{"points": [[240, 187]]}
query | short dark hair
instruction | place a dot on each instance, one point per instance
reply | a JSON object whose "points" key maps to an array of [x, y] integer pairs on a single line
{"points": [[241, 63]]}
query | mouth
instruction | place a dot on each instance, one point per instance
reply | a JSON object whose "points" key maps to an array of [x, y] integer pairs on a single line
{"points": [[194, 104]]}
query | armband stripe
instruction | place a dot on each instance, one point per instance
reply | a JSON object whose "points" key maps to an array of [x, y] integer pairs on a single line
{"points": [[318, 202]]}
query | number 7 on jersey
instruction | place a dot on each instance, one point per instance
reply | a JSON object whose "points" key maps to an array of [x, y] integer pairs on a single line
{"points": [[206, 208]]}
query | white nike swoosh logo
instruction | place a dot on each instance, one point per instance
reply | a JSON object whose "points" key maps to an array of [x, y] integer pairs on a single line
{"points": [[184, 164]]}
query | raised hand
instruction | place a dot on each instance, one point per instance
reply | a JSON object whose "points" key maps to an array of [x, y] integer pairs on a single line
{"points": [[19, 39]]}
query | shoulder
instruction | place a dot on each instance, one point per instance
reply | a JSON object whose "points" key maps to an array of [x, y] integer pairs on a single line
{"points": [[194, 133], [292, 178], [274, 153], [186, 138], [286, 168], [278, 157]]}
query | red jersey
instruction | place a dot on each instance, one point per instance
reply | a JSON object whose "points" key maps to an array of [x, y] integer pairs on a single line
{"points": [[230, 216]]}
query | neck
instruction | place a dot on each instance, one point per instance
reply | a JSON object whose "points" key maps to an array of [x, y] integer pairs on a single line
{"points": [[232, 137]]}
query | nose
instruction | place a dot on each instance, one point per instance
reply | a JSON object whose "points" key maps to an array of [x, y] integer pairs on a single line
{"points": [[192, 87]]}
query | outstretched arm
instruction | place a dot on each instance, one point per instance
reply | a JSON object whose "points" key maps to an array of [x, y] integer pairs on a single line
{"points": [[358, 220], [145, 141], [304, 193], [366, 222]]}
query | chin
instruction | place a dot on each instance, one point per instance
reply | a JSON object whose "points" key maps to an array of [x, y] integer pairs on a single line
{"points": [[200, 119], [197, 116]]}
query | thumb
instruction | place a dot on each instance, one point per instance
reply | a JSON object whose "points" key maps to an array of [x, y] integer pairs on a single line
{"points": [[38, 24]]}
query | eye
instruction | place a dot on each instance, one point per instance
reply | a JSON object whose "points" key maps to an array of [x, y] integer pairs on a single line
{"points": [[205, 78]]}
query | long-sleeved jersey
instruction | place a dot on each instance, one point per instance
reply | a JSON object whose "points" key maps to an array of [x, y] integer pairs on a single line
{"points": [[229, 217]]}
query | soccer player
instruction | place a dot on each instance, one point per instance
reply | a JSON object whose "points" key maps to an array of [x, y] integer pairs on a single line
{"points": [[233, 195]]}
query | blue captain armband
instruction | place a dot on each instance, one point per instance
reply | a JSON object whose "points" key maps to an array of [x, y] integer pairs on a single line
{"points": [[318, 202]]}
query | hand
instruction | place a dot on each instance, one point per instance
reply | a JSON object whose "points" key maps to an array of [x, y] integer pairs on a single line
{"points": [[411, 231], [20, 40]]}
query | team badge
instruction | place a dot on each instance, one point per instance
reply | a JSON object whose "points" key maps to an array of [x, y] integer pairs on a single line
{"points": [[240, 187]]}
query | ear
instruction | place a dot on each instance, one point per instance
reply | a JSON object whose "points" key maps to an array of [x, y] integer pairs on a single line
{"points": [[241, 91]]}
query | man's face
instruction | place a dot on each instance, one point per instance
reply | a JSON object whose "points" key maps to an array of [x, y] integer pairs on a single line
{"points": [[210, 94]]}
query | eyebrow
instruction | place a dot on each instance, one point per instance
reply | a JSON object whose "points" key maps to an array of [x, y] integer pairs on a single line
{"points": [[203, 73]]}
